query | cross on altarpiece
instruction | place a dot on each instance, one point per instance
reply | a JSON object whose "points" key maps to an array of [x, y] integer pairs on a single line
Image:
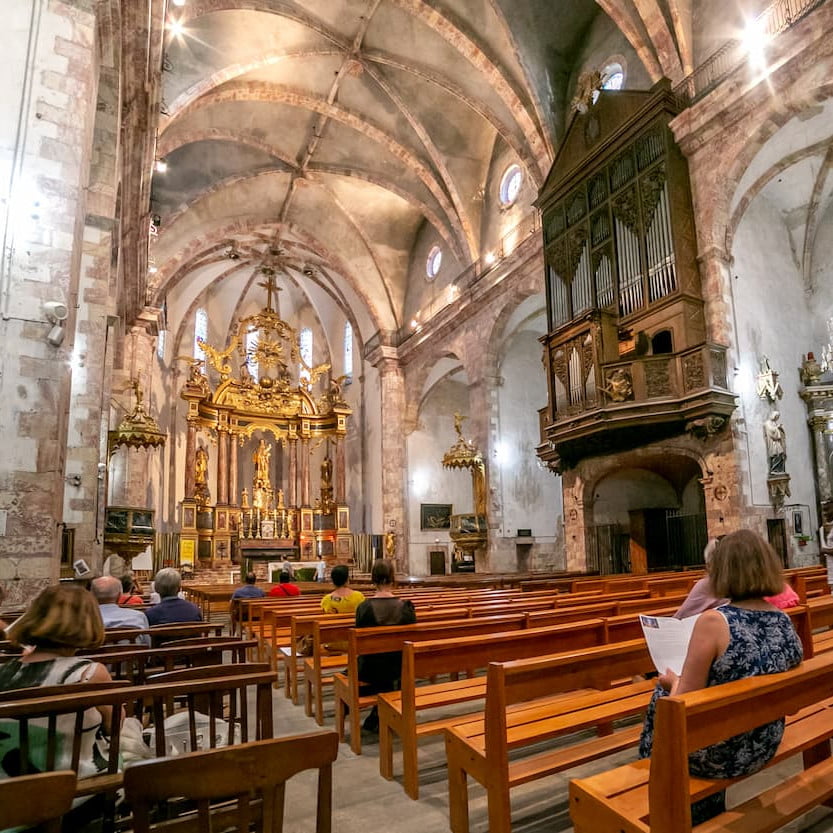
{"points": [[270, 286]]}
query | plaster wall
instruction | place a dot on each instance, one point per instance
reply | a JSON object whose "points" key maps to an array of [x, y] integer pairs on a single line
{"points": [[630, 489], [821, 280], [428, 481], [770, 310]]}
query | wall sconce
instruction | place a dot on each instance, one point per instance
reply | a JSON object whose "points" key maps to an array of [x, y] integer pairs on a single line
{"points": [[56, 314]]}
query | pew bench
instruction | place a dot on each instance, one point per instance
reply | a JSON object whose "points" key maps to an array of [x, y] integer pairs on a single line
{"points": [[365, 641], [654, 796], [399, 710], [532, 701]]}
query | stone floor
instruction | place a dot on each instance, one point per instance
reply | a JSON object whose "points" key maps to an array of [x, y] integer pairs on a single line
{"points": [[366, 803]]}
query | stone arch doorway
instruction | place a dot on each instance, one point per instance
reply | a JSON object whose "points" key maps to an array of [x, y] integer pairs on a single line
{"points": [[646, 516]]}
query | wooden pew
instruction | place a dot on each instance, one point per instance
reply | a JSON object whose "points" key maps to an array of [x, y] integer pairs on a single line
{"points": [[365, 641], [161, 633], [254, 775], [398, 710], [811, 586], [54, 791], [481, 746], [29, 709], [654, 796]]}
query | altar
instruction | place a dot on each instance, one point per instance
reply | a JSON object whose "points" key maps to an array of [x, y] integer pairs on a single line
{"points": [[270, 423]]}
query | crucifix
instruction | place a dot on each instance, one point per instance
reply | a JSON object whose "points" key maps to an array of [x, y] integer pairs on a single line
{"points": [[270, 286]]}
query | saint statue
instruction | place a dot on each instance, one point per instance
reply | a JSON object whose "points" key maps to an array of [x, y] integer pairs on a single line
{"points": [[326, 472], [776, 444], [261, 461], [201, 467], [390, 545], [281, 504], [244, 499]]}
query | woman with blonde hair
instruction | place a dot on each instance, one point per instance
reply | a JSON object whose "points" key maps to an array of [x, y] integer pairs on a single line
{"points": [[60, 620]]}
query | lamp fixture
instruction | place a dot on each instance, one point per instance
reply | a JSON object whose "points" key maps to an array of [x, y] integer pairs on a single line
{"points": [[161, 166], [56, 314]]}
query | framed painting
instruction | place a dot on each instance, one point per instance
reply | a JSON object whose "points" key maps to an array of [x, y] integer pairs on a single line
{"points": [[435, 516]]}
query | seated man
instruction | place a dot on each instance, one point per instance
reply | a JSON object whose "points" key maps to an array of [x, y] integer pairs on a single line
{"points": [[285, 587], [249, 590], [171, 609], [106, 590]]}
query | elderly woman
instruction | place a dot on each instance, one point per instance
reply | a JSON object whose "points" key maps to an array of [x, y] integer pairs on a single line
{"points": [[60, 621], [745, 638]]}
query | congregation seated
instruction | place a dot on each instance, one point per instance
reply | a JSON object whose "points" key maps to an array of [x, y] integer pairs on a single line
{"points": [[746, 637], [285, 587], [106, 591], [342, 599], [249, 590], [382, 672], [61, 620], [171, 608], [130, 592]]}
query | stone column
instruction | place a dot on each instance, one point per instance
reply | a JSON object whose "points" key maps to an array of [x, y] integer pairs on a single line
{"points": [[392, 384], [222, 467], [293, 474], [305, 472], [818, 424], [340, 472]]}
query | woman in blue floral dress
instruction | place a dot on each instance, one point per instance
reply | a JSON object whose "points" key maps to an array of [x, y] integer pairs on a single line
{"points": [[745, 638]]}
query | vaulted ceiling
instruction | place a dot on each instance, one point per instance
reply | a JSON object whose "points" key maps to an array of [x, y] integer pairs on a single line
{"points": [[341, 129]]}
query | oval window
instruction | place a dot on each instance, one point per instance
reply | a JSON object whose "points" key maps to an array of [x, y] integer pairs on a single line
{"points": [[510, 185], [432, 265]]}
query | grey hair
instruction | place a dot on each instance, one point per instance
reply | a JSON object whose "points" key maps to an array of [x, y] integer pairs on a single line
{"points": [[106, 589], [167, 582]]}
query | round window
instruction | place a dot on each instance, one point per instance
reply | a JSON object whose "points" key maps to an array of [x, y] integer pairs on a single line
{"points": [[432, 265], [510, 185]]}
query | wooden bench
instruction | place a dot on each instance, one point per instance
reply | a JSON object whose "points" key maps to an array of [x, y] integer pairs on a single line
{"points": [[526, 705], [29, 710], [162, 633], [367, 641], [654, 796], [399, 710], [811, 586], [253, 774]]}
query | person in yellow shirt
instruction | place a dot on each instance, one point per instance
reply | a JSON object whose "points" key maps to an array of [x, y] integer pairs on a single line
{"points": [[343, 599]]}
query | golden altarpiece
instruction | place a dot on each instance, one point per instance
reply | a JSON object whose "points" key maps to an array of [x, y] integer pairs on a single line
{"points": [[268, 402]]}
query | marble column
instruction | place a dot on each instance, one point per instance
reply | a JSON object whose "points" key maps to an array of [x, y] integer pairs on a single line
{"points": [[819, 426], [190, 459], [233, 497], [305, 472], [222, 467], [340, 472], [293, 474]]}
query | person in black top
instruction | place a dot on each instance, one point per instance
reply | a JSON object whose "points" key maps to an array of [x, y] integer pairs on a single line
{"points": [[381, 672]]}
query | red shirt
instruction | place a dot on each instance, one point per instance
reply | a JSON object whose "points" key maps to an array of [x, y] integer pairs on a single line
{"points": [[287, 589]]}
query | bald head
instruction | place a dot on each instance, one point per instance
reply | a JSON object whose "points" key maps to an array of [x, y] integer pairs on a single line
{"points": [[106, 590]]}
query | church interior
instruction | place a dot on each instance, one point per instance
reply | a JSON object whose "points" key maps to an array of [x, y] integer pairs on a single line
{"points": [[488, 286]]}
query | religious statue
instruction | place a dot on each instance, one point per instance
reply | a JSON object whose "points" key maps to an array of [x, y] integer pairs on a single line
{"points": [[776, 444], [261, 461], [201, 467], [458, 423], [244, 499], [281, 504], [390, 545], [326, 473], [290, 524]]}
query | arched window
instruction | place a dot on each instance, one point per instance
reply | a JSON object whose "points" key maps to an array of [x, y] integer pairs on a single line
{"points": [[160, 345], [510, 185], [432, 265], [251, 347], [305, 339], [200, 332], [348, 350], [613, 76]]}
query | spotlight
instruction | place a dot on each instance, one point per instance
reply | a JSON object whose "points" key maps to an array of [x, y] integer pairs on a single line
{"points": [[179, 2], [152, 269], [490, 258], [56, 336], [755, 40], [176, 28], [161, 166]]}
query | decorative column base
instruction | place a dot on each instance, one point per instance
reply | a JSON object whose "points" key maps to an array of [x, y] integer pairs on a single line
{"points": [[779, 488]]}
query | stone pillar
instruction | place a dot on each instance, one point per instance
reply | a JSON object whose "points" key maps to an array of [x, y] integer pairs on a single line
{"points": [[222, 467], [293, 474], [305, 472], [392, 384], [47, 117], [340, 472], [233, 496], [190, 459]]}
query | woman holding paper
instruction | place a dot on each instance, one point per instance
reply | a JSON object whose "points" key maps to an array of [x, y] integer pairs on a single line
{"points": [[745, 638]]}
